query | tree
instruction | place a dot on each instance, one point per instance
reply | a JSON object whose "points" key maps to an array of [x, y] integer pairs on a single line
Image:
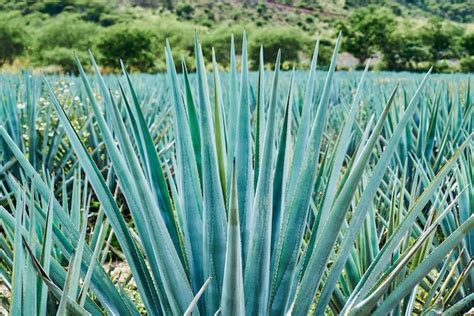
{"points": [[291, 41], [461, 12], [63, 57], [133, 45], [442, 38], [404, 51], [12, 42], [185, 11], [467, 43], [65, 35], [67, 31], [219, 39], [366, 31], [467, 64]]}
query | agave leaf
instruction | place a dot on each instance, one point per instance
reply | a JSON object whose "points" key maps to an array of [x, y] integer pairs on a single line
{"points": [[45, 258], [382, 258], [193, 118], [219, 125], [71, 271], [425, 267], [75, 203], [76, 265], [457, 308], [366, 198], [162, 255], [232, 111], [30, 279], [69, 305], [323, 247], [195, 300], [459, 281], [281, 170], [449, 278], [32, 115], [152, 161], [298, 204], [18, 262], [257, 268], [431, 294], [340, 155], [188, 182], [135, 259], [243, 154], [366, 306], [260, 119], [95, 255], [214, 215], [432, 130], [233, 299], [305, 123]]}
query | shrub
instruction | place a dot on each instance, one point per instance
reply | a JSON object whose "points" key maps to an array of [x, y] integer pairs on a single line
{"points": [[180, 35], [443, 39], [184, 11], [404, 51], [467, 43], [131, 44], [366, 31], [67, 31], [60, 39], [64, 58], [467, 64], [12, 42], [291, 41], [220, 40]]}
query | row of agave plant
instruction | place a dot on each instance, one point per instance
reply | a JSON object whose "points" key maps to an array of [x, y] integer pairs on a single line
{"points": [[237, 196]]}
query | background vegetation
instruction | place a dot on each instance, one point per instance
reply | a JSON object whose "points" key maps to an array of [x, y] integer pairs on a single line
{"points": [[400, 35]]}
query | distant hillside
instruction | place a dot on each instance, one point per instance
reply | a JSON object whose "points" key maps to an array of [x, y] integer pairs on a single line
{"points": [[400, 35], [455, 10]]}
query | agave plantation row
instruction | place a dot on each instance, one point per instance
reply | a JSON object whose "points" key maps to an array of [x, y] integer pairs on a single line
{"points": [[237, 193]]}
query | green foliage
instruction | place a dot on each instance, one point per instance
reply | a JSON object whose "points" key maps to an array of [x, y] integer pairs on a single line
{"points": [[467, 64], [89, 10], [468, 43], [404, 51], [460, 11], [374, 30], [67, 31], [62, 57], [366, 31], [13, 42], [219, 39], [60, 39], [131, 44], [442, 39], [184, 11], [454, 10], [291, 41]]}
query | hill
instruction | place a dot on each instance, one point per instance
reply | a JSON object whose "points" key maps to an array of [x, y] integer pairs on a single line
{"points": [[459, 11], [401, 35]]}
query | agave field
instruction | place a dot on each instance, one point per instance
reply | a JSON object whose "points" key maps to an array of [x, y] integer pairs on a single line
{"points": [[237, 193]]}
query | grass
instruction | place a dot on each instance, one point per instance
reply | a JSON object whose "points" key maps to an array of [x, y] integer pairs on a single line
{"points": [[323, 192]]}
